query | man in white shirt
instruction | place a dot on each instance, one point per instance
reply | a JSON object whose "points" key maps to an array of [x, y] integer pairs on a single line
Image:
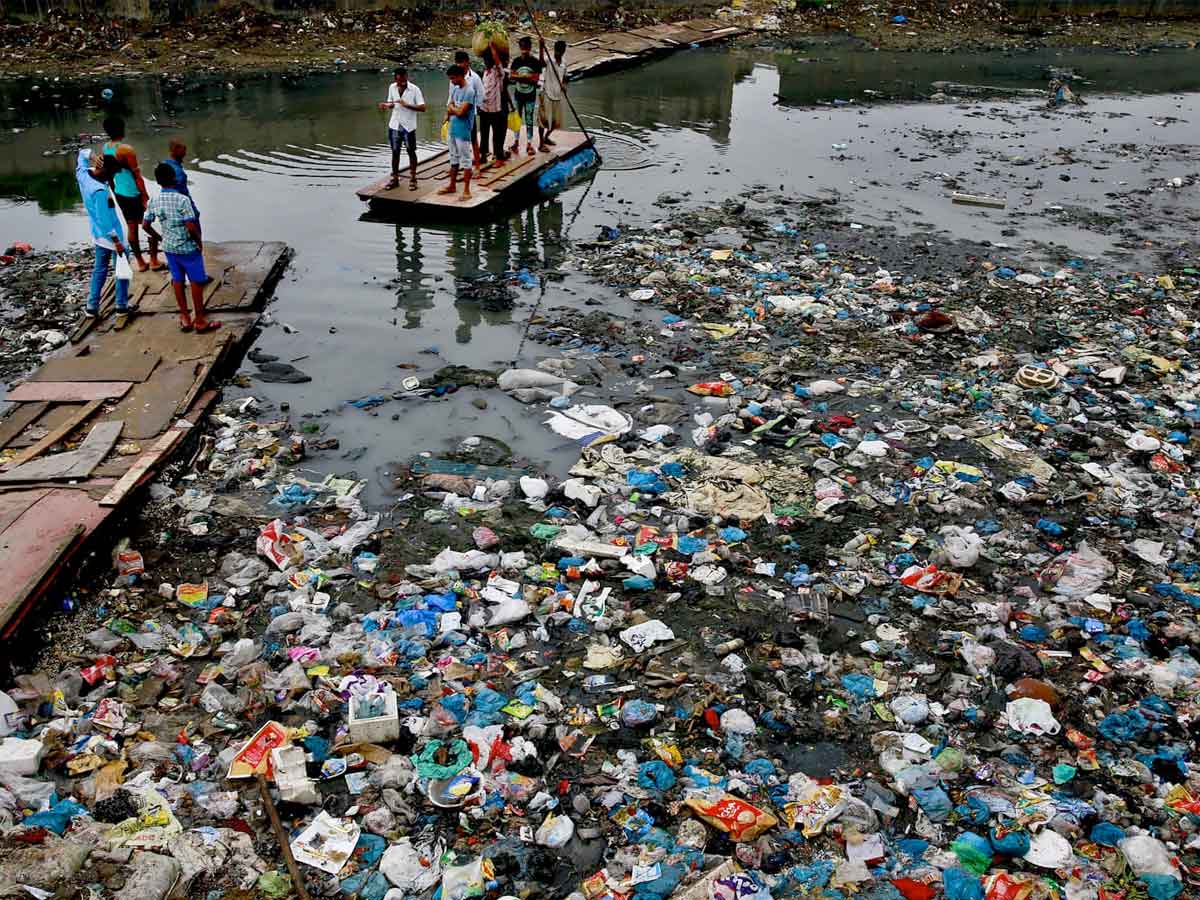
{"points": [[405, 100], [554, 92]]}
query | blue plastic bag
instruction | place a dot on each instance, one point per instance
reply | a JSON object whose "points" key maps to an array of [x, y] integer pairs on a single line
{"points": [[58, 817], [1123, 727], [656, 775], [960, 885], [861, 686], [1107, 834]]}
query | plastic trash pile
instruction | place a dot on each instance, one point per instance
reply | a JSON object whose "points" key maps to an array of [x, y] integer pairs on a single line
{"points": [[40, 295], [869, 585]]}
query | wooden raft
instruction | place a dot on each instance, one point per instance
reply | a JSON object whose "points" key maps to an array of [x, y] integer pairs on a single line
{"points": [[517, 175]]}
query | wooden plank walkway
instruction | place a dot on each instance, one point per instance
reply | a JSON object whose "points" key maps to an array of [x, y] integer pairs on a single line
{"points": [[518, 174], [51, 503], [619, 50]]}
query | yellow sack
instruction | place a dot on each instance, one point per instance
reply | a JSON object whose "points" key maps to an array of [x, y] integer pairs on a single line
{"points": [[445, 131], [514, 121]]}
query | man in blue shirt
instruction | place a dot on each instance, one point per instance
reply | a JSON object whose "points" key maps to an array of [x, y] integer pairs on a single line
{"points": [[94, 172], [460, 112], [177, 153]]}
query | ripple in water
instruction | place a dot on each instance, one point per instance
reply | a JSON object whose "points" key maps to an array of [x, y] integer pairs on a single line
{"points": [[621, 153], [321, 163]]}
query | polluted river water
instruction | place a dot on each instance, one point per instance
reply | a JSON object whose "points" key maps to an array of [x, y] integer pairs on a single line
{"points": [[367, 303]]}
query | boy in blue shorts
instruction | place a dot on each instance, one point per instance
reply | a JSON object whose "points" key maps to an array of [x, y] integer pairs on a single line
{"points": [[183, 245]]}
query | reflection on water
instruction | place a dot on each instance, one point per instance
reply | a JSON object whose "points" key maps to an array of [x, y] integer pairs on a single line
{"points": [[816, 75], [532, 239]]}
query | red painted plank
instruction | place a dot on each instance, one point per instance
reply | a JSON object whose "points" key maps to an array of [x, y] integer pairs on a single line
{"points": [[34, 546], [14, 503]]}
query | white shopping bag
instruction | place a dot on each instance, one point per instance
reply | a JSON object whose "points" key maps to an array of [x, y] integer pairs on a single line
{"points": [[124, 269]]}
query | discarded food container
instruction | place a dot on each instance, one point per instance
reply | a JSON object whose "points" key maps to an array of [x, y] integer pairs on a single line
{"points": [[19, 756], [455, 791], [379, 728]]}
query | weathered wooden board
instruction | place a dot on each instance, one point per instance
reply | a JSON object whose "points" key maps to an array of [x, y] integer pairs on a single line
{"points": [[69, 391], [24, 415], [77, 418], [144, 463], [77, 463], [134, 367]]}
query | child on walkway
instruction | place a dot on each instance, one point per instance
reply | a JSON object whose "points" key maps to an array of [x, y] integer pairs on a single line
{"points": [[184, 248], [177, 153]]}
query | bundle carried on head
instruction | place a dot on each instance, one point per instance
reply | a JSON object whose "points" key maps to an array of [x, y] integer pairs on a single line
{"points": [[490, 34]]}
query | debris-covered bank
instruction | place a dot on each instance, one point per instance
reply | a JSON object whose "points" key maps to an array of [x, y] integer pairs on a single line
{"points": [[39, 294], [245, 39], [867, 583]]}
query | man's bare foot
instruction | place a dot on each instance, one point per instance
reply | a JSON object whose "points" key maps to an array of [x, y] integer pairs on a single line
{"points": [[529, 150], [142, 267], [466, 195], [185, 322], [205, 325], [448, 189]]}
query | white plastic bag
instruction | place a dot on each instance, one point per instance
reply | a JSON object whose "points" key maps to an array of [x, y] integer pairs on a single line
{"points": [[1029, 715], [555, 831], [1050, 850], [460, 882], [124, 271], [1148, 855]]}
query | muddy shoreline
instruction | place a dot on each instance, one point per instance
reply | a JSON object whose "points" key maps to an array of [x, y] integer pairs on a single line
{"points": [[246, 42]]}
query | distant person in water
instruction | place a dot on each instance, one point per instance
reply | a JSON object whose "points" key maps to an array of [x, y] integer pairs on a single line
{"points": [[130, 190], [94, 172], [460, 113], [405, 100], [184, 247]]}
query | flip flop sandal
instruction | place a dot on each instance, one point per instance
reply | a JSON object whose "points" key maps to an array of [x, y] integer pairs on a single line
{"points": [[207, 327], [186, 329]]}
